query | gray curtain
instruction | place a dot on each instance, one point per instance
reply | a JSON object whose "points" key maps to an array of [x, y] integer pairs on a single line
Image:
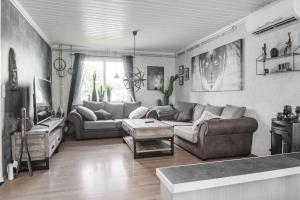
{"points": [[128, 69], [76, 79]]}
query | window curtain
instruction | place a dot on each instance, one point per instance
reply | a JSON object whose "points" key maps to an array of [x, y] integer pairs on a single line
{"points": [[128, 69], [76, 80]]}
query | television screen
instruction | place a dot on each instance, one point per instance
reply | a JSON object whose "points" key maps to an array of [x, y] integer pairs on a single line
{"points": [[42, 100]]}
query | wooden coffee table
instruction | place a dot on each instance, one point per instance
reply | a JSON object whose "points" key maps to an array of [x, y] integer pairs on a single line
{"points": [[148, 137]]}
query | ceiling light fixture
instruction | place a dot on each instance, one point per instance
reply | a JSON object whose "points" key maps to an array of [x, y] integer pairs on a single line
{"points": [[136, 79]]}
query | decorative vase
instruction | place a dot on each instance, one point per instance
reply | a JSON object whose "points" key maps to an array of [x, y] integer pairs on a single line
{"points": [[274, 53], [94, 92], [59, 112], [108, 93]]}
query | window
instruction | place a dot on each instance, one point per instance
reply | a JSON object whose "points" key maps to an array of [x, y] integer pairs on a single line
{"points": [[105, 77]]}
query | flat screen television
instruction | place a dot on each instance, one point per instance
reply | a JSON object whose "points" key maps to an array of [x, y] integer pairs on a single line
{"points": [[42, 100]]}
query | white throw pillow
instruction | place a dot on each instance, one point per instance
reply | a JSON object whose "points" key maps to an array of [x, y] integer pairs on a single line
{"points": [[206, 115], [138, 113]]}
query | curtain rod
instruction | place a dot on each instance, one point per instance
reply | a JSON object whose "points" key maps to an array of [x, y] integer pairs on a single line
{"points": [[90, 55]]}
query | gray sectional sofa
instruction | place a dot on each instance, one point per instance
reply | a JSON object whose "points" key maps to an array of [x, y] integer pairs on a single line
{"points": [[85, 129]]}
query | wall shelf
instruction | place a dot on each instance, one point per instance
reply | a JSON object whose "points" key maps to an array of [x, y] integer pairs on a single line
{"points": [[261, 63]]}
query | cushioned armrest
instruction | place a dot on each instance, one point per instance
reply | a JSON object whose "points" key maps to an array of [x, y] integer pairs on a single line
{"points": [[244, 125], [77, 122]]}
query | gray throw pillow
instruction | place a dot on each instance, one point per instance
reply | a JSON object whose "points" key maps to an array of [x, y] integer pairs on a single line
{"points": [[185, 116], [103, 115], [86, 113], [184, 107], [198, 110], [94, 106], [233, 112], [129, 107], [116, 109], [216, 110]]}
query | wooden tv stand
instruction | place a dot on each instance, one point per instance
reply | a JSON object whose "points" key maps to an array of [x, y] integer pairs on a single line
{"points": [[43, 140]]}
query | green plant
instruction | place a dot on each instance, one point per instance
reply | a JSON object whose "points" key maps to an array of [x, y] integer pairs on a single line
{"points": [[108, 93], [167, 93], [94, 93], [101, 94]]}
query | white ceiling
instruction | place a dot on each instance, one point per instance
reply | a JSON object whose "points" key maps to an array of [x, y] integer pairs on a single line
{"points": [[165, 25]]}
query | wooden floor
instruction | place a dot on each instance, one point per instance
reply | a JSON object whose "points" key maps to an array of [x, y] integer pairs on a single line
{"points": [[94, 169]]}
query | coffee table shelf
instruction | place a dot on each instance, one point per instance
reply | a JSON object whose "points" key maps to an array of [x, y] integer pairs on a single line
{"points": [[148, 139], [149, 146]]}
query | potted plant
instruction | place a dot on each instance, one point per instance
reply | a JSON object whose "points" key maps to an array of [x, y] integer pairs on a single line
{"points": [[108, 93], [101, 94], [94, 92], [167, 93]]}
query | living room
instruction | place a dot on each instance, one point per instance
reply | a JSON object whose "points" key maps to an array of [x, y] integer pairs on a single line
{"points": [[150, 99]]}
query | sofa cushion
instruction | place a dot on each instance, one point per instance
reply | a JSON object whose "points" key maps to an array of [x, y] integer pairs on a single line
{"points": [[116, 109], [233, 112], [94, 106], [184, 106], [185, 116], [198, 110], [139, 113], [97, 125], [175, 123], [186, 133], [216, 110], [165, 112], [86, 113], [205, 116], [118, 123], [129, 107], [103, 115]]}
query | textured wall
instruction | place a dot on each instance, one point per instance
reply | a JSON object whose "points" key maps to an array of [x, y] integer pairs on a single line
{"points": [[33, 58], [264, 96]]}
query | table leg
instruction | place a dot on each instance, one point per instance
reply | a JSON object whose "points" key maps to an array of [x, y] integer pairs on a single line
{"points": [[134, 149], [172, 145]]}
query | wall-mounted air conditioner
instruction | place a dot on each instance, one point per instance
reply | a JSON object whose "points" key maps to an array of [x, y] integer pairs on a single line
{"points": [[273, 16]]}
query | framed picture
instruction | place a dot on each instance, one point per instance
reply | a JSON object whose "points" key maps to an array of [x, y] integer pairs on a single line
{"points": [[219, 69], [181, 80], [181, 70], [187, 74], [155, 78]]}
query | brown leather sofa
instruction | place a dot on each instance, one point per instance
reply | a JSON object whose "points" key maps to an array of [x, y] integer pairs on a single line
{"points": [[220, 138]]}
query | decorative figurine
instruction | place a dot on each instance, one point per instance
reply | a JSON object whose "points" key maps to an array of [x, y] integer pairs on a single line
{"points": [[274, 53], [264, 51], [13, 71], [288, 48]]}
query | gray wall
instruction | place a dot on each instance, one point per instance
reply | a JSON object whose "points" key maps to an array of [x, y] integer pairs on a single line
{"points": [[33, 58], [264, 96]]}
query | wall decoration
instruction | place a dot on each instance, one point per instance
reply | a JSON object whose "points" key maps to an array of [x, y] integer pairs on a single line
{"points": [[13, 71], [218, 70], [187, 74], [181, 80], [181, 70], [155, 78]]}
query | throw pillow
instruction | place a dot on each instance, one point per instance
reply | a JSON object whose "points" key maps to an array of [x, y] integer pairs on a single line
{"points": [[198, 110], [185, 116], [86, 113], [205, 116], [116, 109], [103, 115], [233, 112], [129, 107], [138, 113], [94, 106], [216, 110], [184, 106]]}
